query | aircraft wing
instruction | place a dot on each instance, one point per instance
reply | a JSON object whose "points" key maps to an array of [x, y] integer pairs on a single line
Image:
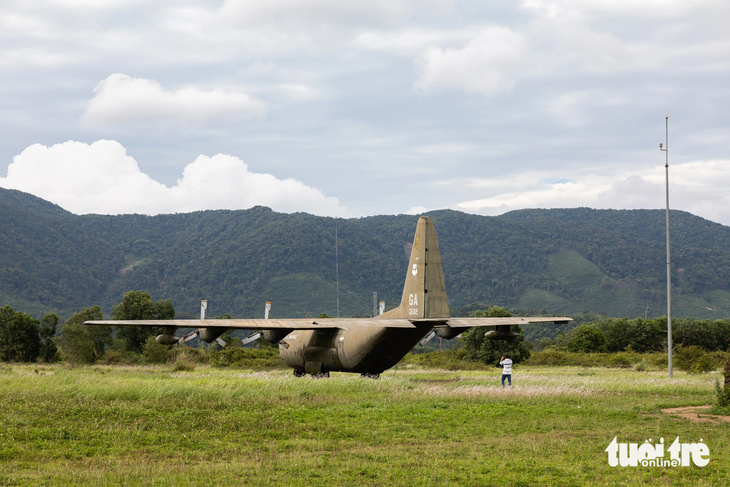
{"points": [[253, 324], [514, 320], [323, 323]]}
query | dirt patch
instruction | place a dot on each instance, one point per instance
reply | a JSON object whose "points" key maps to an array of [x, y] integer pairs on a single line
{"points": [[697, 414]]}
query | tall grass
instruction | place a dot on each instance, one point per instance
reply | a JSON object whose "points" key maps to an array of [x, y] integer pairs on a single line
{"points": [[152, 425]]}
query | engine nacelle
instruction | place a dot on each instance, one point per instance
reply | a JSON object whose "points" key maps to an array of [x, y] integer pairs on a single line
{"points": [[210, 334], [168, 336], [501, 332], [447, 332], [167, 339], [276, 335]]}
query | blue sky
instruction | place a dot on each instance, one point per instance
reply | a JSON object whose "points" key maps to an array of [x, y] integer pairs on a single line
{"points": [[365, 107]]}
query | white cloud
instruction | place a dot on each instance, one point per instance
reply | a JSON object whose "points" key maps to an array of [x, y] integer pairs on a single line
{"points": [[699, 187], [122, 99], [556, 40], [497, 57], [332, 12], [102, 178], [416, 210], [486, 65], [410, 40], [95, 4], [346, 85]]}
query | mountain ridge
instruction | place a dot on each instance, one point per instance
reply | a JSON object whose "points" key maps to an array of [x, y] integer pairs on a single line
{"points": [[53, 260]]}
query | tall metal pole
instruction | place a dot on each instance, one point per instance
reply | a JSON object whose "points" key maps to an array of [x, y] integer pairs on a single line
{"points": [[337, 271], [669, 267]]}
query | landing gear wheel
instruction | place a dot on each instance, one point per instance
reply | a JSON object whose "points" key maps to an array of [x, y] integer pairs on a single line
{"points": [[299, 373], [369, 375], [321, 375]]}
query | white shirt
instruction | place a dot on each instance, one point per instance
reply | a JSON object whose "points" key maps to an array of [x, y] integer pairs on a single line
{"points": [[507, 364]]}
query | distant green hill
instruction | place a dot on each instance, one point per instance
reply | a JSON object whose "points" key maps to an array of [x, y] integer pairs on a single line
{"points": [[557, 261]]}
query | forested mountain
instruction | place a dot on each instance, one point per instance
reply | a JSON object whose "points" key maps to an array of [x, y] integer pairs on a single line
{"points": [[561, 261]]}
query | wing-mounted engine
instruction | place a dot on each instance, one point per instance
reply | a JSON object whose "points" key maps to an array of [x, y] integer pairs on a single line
{"points": [[501, 332], [208, 335], [447, 332], [276, 335], [168, 337]]}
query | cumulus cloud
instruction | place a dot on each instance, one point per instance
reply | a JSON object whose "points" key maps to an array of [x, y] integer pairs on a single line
{"points": [[699, 187], [486, 65], [556, 41], [123, 99], [380, 12], [416, 210], [102, 178], [347, 86]]}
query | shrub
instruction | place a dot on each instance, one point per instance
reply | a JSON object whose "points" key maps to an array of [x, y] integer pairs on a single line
{"points": [[623, 359], [658, 359], [189, 355], [550, 356], [722, 406], [709, 362], [122, 357], [112, 357], [246, 357], [155, 353], [685, 358], [443, 359]]}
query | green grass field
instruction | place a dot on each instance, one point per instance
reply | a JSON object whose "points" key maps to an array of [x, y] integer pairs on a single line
{"points": [[209, 426]]}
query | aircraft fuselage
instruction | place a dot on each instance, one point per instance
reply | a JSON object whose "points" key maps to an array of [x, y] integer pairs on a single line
{"points": [[367, 350]]}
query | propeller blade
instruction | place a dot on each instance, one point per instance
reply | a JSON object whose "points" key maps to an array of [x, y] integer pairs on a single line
{"points": [[221, 342], [427, 338], [188, 337], [250, 339]]}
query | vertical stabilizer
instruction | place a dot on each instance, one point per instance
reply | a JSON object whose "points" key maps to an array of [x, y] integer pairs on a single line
{"points": [[424, 292]]}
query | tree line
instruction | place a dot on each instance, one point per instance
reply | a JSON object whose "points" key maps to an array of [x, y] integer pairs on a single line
{"points": [[25, 339], [643, 335]]}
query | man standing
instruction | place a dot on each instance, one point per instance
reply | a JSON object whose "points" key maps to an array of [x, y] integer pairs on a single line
{"points": [[506, 363]]}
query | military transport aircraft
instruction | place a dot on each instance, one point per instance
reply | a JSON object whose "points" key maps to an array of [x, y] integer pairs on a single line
{"points": [[367, 346]]}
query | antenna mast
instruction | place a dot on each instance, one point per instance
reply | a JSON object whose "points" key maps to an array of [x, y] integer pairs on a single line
{"points": [[337, 271], [669, 267]]}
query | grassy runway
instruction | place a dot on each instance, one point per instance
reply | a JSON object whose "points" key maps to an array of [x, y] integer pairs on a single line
{"points": [[210, 426]]}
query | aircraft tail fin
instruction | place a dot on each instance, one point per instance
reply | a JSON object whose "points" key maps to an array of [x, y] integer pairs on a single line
{"points": [[424, 292]]}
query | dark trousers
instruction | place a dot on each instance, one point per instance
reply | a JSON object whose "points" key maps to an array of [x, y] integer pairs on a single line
{"points": [[509, 379]]}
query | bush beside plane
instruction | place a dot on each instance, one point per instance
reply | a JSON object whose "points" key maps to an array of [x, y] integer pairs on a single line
{"points": [[367, 346]]}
